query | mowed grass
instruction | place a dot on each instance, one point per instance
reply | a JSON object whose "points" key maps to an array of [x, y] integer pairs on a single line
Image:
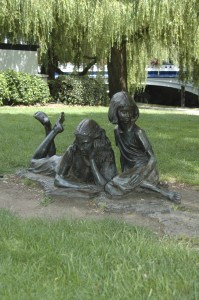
{"points": [[85, 259], [173, 135], [68, 259]]}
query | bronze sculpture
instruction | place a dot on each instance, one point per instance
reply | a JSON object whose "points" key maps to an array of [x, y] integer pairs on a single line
{"points": [[88, 163], [138, 162]]}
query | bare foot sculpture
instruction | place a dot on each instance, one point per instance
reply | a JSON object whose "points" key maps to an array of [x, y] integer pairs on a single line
{"points": [[42, 118]]}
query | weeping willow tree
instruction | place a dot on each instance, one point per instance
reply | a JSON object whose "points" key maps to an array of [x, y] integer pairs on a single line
{"points": [[127, 33]]}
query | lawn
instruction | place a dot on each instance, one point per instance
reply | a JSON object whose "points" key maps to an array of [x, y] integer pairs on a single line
{"points": [[89, 260], [173, 135], [84, 259]]}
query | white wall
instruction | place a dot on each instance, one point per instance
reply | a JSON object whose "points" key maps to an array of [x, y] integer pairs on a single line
{"points": [[19, 60]]}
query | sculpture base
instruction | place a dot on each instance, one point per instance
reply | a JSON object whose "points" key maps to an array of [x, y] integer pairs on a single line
{"points": [[141, 201], [144, 209]]}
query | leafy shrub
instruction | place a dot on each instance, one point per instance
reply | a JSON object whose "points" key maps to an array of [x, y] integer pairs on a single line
{"points": [[4, 91], [22, 88], [77, 90]]}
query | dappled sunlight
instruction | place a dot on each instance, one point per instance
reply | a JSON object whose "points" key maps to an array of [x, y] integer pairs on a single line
{"points": [[192, 140], [181, 170], [163, 135]]}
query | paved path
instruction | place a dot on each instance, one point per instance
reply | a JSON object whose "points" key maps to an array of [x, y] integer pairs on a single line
{"points": [[188, 111]]}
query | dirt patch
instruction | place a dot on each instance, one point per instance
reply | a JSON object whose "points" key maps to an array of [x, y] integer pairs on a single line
{"points": [[27, 199]]}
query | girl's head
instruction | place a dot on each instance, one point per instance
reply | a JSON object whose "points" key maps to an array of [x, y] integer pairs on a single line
{"points": [[89, 135], [88, 127], [122, 100], [86, 133]]}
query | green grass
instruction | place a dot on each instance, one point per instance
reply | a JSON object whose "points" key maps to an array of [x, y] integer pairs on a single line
{"points": [[68, 259], [173, 135]]}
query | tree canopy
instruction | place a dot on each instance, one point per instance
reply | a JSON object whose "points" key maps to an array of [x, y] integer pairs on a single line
{"points": [[74, 29]]}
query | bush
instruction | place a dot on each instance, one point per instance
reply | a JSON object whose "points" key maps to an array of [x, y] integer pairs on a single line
{"points": [[77, 90], [4, 91], [22, 88]]}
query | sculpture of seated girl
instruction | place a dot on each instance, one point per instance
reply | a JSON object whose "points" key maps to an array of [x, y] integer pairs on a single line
{"points": [[138, 162]]}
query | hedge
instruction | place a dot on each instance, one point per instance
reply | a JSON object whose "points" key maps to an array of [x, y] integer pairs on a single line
{"points": [[79, 90], [21, 88]]}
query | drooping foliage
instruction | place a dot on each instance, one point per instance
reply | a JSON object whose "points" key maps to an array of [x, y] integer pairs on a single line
{"points": [[161, 29]]}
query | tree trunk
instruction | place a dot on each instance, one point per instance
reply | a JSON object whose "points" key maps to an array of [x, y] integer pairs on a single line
{"points": [[117, 69], [51, 67], [89, 65], [182, 96]]}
